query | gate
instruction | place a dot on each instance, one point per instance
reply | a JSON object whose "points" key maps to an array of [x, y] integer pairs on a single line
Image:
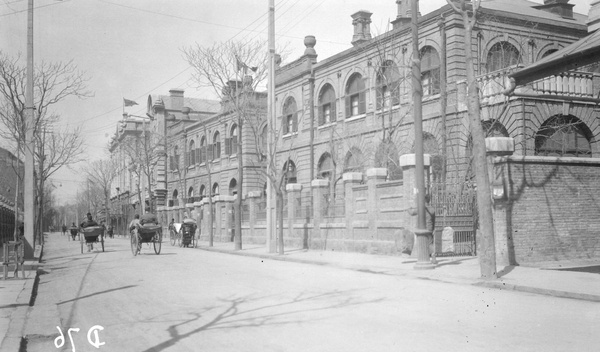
{"points": [[455, 207]]}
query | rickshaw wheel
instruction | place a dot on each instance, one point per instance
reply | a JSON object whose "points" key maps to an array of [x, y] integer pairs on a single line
{"points": [[134, 242], [172, 237], [158, 242]]}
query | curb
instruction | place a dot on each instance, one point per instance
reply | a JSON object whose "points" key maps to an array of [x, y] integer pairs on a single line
{"points": [[500, 285]]}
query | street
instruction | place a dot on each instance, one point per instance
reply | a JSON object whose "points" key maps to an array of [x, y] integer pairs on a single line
{"points": [[195, 300]]}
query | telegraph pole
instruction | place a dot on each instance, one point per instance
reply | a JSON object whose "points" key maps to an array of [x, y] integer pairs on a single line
{"points": [[29, 240], [271, 243], [422, 243]]}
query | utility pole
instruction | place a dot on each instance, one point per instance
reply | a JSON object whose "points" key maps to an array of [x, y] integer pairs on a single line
{"points": [[422, 244], [29, 240], [271, 243]]}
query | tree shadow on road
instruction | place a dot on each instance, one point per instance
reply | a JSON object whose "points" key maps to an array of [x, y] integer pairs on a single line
{"points": [[97, 293], [240, 312]]}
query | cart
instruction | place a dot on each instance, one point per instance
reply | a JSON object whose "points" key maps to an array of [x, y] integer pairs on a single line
{"points": [[91, 235], [175, 234], [146, 234], [188, 234]]}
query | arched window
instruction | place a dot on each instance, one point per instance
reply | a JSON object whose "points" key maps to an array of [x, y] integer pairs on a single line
{"points": [[192, 153], [388, 85], [387, 156], [262, 151], [327, 111], [232, 187], [202, 192], [231, 144], [190, 195], [564, 136], [548, 52], [173, 201], [502, 55], [430, 71], [354, 161], [215, 189], [290, 116], [355, 96], [216, 146], [202, 152], [289, 169], [175, 159], [326, 167]]}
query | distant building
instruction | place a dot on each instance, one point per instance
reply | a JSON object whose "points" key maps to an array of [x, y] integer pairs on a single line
{"points": [[10, 168]]}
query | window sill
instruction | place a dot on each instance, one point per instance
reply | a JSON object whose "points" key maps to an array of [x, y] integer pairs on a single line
{"points": [[387, 109], [356, 117], [327, 125], [289, 135], [431, 97]]}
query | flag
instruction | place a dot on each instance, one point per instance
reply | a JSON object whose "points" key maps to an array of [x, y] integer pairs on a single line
{"points": [[127, 102]]}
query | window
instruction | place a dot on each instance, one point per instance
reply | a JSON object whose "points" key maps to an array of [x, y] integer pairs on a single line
{"points": [[190, 195], [388, 85], [289, 169], [326, 167], [355, 96], [290, 116], [215, 189], [192, 154], [262, 153], [430, 71], [231, 144], [216, 146], [202, 192], [502, 55], [233, 187], [175, 160], [326, 105], [202, 151], [355, 161], [563, 136]]}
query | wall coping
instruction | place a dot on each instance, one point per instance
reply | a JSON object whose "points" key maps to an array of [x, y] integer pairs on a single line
{"points": [[293, 187], [319, 183], [547, 160], [407, 160], [377, 172], [352, 177], [500, 145], [254, 194], [198, 204], [225, 198]]}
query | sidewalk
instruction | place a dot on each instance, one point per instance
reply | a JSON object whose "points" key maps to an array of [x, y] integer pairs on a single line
{"points": [[15, 295], [550, 279]]}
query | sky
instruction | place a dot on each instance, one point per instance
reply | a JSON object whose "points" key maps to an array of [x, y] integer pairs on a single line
{"points": [[133, 48]]}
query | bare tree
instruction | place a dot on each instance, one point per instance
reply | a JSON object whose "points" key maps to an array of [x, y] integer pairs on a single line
{"points": [[469, 11], [225, 68], [102, 173]]}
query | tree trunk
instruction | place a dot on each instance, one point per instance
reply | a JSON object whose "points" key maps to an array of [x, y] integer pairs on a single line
{"points": [[487, 250]]}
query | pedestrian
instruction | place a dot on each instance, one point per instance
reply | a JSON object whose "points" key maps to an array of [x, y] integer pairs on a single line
{"points": [[430, 225], [74, 230], [89, 222], [135, 223], [64, 229]]}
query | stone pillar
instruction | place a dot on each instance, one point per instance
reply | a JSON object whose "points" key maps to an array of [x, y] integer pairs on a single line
{"points": [[420, 245], [501, 147], [294, 191], [319, 188], [253, 198], [350, 179], [217, 223], [198, 217], [229, 224], [205, 208], [375, 176]]}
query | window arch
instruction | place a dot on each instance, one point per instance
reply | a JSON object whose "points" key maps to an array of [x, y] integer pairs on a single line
{"points": [[190, 194], [387, 156], [174, 195], [502, 55], [215, 189], [326, 166], [192, 153], [564, 135], [216, 146], [231, 144], [355, 96], [289, 170], [233, 187], [354, 161], [290, 116], [202, 152], [327, 105], [202, 192], [430, 71], [388, 85]]}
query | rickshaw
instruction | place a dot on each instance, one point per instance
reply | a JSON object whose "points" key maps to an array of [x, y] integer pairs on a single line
{"points": [[146, 234], [184, 234], [91, 235]]}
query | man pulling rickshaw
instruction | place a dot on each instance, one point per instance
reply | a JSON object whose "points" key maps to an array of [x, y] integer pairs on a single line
{"points": [[145, 229]]}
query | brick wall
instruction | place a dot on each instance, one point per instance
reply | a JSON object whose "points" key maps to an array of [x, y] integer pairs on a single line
{"points": [[552, 209]]}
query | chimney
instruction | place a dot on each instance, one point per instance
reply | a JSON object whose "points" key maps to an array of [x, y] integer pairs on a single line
{"points": [[558, 7], [361, 21], [176, 99], [404, 14], [593, 22]]}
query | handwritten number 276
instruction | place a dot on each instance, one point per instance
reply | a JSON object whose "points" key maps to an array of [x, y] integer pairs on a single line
{"points": [[60, 340]]}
